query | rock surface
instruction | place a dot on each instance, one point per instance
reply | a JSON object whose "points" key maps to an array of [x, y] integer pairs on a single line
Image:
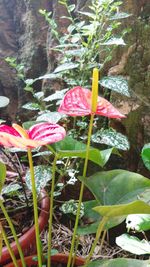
{"points": [[25, 34]]}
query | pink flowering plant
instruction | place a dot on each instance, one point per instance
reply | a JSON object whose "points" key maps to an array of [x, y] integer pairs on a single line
{"points": [[115, 191]]}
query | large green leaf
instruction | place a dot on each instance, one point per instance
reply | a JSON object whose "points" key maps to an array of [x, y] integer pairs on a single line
{"points": [[120, 262], [146, 155], [111, 138], [134, 207], [92, 219], [116, 83], [133, 244], [70, 147], [42, 176], [116, 186], [2, 175]]}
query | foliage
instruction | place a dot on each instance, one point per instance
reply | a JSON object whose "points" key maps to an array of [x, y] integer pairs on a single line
{"points": [[116, 193], [146, 155]]}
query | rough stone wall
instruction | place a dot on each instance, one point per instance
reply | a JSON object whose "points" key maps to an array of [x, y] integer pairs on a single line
{"points": [[25, 35]]}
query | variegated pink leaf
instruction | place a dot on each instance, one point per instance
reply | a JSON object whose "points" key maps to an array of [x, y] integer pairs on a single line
{"points": [[38, 135], [78, 101]]}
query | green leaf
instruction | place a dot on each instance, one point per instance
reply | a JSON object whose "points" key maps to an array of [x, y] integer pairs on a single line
{"points": [[11, 189], [138, 222], [39, 95], [29, 82], [71, 206], [50, 76], [120, 262], [114, 41], [120, 15], [88, 14], [117, 84], [146, 156], [134, 207], [27, 124], [93, 219], [2, 175], [52, 117], [42, 176], [1, 240], [66, 66], [71, 8], [57, 95], [133, 244], [31, 106], [116, 186], [4, 101], [70, 147], [111, 138]]}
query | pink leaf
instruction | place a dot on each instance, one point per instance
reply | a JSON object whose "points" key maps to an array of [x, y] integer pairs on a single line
{"points": [[77, 102]]}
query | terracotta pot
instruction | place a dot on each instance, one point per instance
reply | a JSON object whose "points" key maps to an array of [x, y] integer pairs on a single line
{"points": [[27, 240], [58, 258]]}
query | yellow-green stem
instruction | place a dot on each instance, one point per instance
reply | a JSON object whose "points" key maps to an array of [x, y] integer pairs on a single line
{"points": [[102, 240], [81, 191], [98, 234], [51, 212], [9, 247], [35, 207], [13, 233]]}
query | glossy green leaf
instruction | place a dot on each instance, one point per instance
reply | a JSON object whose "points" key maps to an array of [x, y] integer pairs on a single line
{"points": [[4, 101], [51, 117], [71, 7], [134, 207], [66, 66], [57, 95], [111, 138], [42, 176], [39, 95], [92, 219], [116, 186], [27, 124], [146, 156], [120, 15], [2, 175], [120, 262], [114, 41], [138, 222], [133, 244], [31, 106], [117, 84], [70, 147]]}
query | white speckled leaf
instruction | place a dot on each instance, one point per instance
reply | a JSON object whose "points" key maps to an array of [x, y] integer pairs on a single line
{"points": [[42, 176]]}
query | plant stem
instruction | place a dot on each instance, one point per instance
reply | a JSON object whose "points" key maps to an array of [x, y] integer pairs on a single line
{"points": [[35, 207], [13, 232], [81, 190], [4, 236], [98, 233], [51, 211]]}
